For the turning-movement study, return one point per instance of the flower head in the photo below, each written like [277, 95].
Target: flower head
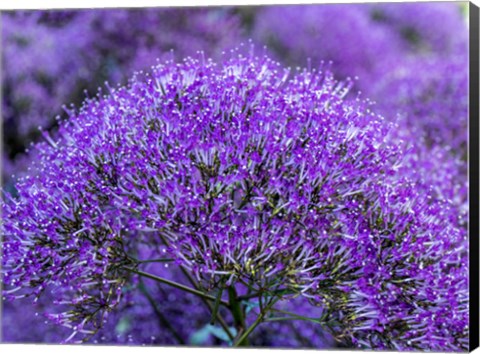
[247, 175]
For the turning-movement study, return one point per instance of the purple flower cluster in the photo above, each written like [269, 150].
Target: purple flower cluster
[52, 58]
[268, 184]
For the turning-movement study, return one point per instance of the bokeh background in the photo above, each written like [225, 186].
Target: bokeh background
[409, 59]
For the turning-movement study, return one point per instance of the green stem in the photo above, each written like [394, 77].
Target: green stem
[249, 296]
[254, 325]
[276, 319]
[210, 307]
[293, 316]
[216, 305]
[221, 321]
[259, 293]
[249, 330]
[176, 285]
[237, 313]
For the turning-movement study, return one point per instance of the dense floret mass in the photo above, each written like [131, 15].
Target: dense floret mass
[245, 175]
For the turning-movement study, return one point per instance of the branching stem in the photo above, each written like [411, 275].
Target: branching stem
[175, 285]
